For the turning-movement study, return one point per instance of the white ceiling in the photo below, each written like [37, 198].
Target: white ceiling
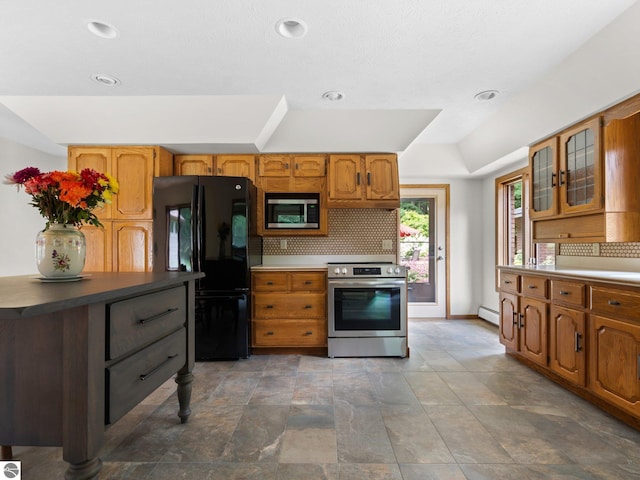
[210, 76]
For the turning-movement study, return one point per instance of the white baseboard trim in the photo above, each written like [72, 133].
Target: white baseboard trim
[489, 315]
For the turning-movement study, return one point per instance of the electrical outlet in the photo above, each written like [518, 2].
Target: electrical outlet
[387, 244]
[595, 249]
[283, 244]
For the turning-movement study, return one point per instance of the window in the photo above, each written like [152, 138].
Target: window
[514, 244]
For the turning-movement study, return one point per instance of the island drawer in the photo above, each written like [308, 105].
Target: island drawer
[137, 321]
[129, 381]
[568, 293]
[278, 305]
[615, 302]
[286, 333]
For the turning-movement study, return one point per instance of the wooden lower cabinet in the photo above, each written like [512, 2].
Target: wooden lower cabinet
[584, 336]
[533, 330]
[615, 362]
[289, 310]
[567, 344]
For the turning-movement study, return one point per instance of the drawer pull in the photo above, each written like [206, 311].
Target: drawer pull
[268, 306]
[532, 287]
[307, 307]
[308, 333]
[615, 303]
[564, 292]
[157, 316]
[169, 358]
[269, 283]
[507, 282]
[578, 347]
[308, 282]
[270, 333]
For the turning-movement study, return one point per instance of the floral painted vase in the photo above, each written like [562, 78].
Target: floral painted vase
[60, 251]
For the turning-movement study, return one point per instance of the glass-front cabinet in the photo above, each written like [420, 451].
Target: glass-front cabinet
[566, 175]
[580, 168]
[543, 161]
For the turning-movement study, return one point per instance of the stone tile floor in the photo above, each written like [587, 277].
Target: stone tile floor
[458, 408]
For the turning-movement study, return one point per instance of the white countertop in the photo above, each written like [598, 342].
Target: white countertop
[617, 276]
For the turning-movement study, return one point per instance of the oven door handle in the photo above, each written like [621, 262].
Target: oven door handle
[367, 283]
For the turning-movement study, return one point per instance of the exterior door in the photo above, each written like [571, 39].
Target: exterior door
[423, 248]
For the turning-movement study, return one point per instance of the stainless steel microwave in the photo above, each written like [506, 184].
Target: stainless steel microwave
[292, 210]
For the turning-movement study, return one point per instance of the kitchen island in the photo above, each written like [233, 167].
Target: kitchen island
[76, 356]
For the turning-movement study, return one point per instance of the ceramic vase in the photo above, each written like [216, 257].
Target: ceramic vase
[60, 251]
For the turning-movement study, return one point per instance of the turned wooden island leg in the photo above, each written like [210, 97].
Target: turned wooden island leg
[185, 382]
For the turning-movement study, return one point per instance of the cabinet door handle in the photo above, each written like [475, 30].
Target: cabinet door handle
[578, 347]
[507, 282]
[368, 178]
[563, 292]
[358, 178]
[157, 316]
[307, 307]
[308, 282]
[615, 303]
[145, 375]
[219, 170]
[270, 333]
[269, 283]
[286, 166]
[268, 306]
[561, 178]
[308, 333]
[531, 287]
[553, 180]
[521, 320]
[515, 318]
[638, 366]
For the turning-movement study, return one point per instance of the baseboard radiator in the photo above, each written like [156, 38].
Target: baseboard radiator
[489, 315]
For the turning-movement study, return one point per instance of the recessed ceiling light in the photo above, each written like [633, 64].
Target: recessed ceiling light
[291, 28]
[333, 96]
[486, 95]
[102, 30]
[106, 80]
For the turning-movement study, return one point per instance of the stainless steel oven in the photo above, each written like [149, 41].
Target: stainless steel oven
[367, 305]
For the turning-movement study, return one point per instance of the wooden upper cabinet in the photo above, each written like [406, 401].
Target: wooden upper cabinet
[274, 165]
[236, 166]
[134, 169]
[382, 177]
[363, 181]
[309, 165]
[543, 167]
[98, 159]
[193, 165]
[345, 177]
[132, 246]
[580, 175]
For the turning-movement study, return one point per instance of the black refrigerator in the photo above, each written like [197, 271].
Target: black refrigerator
[208, 224]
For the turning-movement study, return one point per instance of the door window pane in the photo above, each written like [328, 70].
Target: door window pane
[417, 247]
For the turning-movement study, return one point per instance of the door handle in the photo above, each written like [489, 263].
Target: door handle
[578, 347]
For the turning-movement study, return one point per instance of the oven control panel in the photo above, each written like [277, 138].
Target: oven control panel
[354, 270]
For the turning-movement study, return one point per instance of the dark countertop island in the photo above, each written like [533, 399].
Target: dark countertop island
[76, 356]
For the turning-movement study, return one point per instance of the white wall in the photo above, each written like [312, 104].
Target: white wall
[489, 295]
[21, 221]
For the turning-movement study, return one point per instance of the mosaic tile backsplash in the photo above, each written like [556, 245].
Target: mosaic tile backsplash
[621, 250]
[351, 232]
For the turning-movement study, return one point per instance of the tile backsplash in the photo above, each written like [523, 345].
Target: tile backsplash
[619, 250]
[351, 232]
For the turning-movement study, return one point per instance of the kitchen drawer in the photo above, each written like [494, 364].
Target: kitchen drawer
[288, 333]
[533, 286]
[510, 282]
[622, 303]
[568, 293]
[279, 305]
[308, 281]
[129, 381]
[270, 281]
[135, 322]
